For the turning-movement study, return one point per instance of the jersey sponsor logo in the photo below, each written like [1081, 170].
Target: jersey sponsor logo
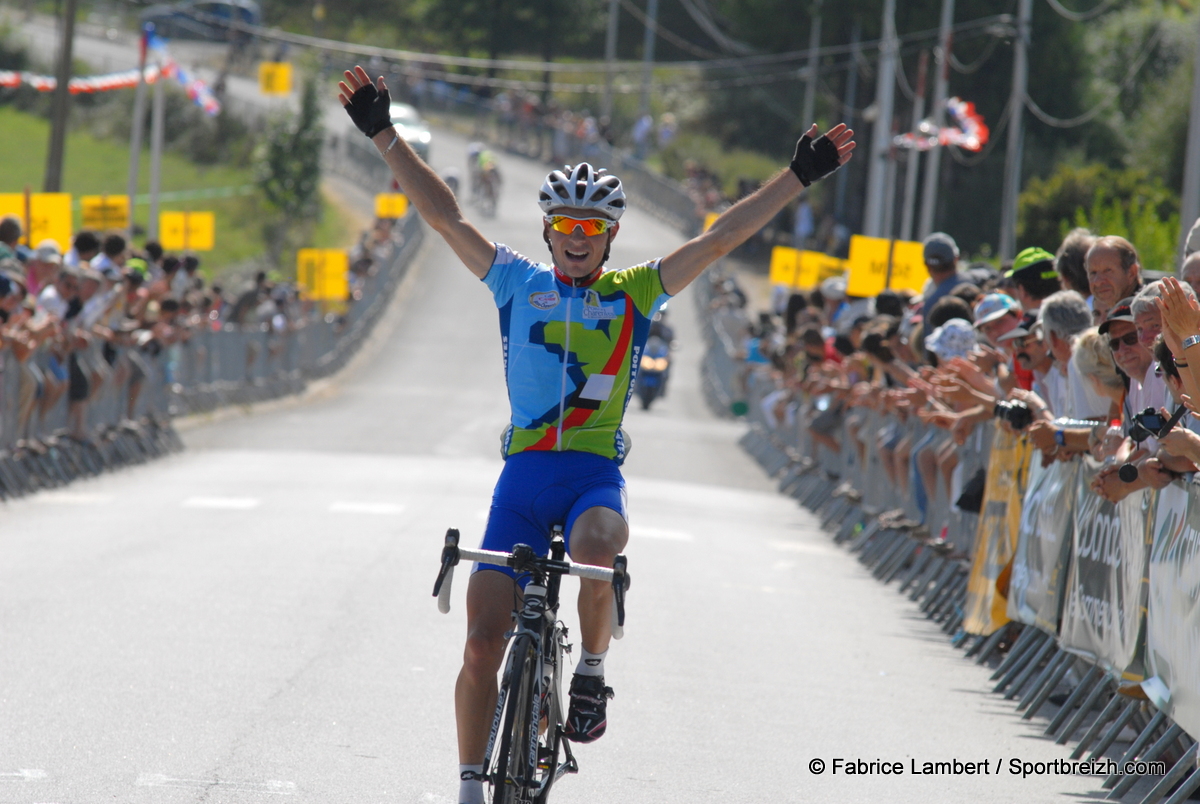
[593, 310]
[595, 391]
[547, 300]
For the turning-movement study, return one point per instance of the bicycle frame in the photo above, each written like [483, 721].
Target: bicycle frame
[536, 627]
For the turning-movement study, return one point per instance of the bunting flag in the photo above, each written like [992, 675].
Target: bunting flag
[970, 133]
[198, 91]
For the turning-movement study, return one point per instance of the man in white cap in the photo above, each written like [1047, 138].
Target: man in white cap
[43, 266]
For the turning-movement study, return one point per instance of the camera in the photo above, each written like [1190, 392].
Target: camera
[1016, 413]
[1150, 423]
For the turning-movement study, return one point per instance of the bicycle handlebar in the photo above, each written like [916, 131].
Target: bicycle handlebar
[519, 559]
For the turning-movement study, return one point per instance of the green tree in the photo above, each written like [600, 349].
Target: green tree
[288, 173]
[1109, 201]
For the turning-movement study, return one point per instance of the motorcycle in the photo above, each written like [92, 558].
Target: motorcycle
[654, 369]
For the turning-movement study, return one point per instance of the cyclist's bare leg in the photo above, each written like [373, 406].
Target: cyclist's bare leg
[596, 537]
[489, 617]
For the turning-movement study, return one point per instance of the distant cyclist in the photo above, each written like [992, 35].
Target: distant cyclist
[572, 335]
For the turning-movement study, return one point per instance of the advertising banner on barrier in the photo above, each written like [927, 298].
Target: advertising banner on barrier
[1008, 467]
[1173, 610]
[1043, 555]
[1104, 613]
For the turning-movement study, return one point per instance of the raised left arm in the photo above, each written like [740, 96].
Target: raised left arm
[815, 159]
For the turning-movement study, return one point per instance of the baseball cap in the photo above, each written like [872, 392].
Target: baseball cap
[1036, 260]
[834, 287]
[48, 251]
[994, 306]
[1121, 311]
[1028, 323]
[940, 250]
[955, 338]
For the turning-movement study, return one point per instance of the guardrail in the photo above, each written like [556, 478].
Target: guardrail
[1087, 596]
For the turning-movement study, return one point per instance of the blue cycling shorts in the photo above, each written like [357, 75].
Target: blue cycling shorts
[538, 490]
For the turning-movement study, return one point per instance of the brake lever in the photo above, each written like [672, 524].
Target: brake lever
[449, 559]
[620, 584]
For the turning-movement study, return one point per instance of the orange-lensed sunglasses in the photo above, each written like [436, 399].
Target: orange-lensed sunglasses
[565, 224]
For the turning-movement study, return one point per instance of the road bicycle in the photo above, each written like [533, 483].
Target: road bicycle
[522, 761]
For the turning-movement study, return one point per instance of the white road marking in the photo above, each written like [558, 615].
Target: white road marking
[349, 507]
[228, 503]
[71, 498]
[268, 786]
[22, 775]
[644, 532]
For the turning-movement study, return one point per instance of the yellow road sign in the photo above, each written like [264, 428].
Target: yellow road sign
[105, 211]
[908, 266]
[391, 205]
[187, 231]
[868, 265]
[323, 273]
[275, 77]
[49, 216]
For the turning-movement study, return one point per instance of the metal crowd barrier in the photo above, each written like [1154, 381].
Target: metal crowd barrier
[127, 418]
[851, 495]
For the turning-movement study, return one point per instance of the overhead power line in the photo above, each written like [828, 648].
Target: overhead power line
[703, 18]
[1090, 114]
[1081, 16]
[668, 36]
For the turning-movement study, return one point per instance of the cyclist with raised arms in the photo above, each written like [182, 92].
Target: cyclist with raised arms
[573, 335]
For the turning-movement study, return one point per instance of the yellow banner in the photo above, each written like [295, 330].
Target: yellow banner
[391, 205]
[709, 220]
[802, 270]
[275, 77]
[908, 266]
[986, 606]
[102, 212]
[49, 216]
[869, 258]
[868, 265]
[187, 231]
[322, 272]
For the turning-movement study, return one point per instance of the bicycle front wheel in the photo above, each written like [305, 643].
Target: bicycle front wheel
[514, 773]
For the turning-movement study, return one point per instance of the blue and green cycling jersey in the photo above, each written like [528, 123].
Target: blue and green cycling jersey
[571, 354]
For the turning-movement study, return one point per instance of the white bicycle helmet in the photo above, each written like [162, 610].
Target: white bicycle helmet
[583, 187]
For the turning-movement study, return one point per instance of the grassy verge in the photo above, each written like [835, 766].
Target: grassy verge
[95, 166]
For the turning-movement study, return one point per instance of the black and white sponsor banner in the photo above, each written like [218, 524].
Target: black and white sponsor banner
[1104, 613]
[1044, 545]
[1173, 617]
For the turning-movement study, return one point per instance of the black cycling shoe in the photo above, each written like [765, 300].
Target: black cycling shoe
[587, 718]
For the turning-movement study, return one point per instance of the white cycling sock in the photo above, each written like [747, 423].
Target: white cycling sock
[470, 791]
[590, 664]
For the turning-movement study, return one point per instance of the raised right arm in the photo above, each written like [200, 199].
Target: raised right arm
[368, 106]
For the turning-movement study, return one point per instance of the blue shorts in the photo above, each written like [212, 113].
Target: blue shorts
[538, 490]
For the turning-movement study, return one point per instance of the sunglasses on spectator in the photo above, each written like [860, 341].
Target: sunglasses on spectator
[1129, 339]
[565, 224]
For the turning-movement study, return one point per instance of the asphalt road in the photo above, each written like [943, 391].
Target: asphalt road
[250, 621]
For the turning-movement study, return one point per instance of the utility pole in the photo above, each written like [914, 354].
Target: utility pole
[135, 134]
[610, 58]
[933, 164]
[1016, 134]
[648, 56]
[851, 98]
[881, 133]
[1190, 202]
[810, 89]
[61, 103]
[157, 121]
[914, 154]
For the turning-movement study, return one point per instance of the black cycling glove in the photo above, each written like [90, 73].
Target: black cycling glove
[370, 109]
[814, 159]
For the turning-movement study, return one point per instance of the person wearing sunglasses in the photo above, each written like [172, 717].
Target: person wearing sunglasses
[573, 333]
